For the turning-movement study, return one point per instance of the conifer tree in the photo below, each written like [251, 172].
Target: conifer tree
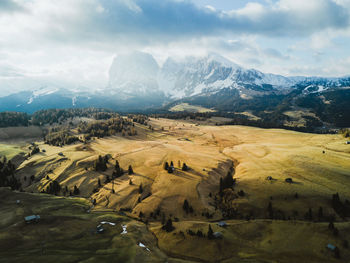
[168, 227]
[184, 167]
[320, 213]
[221, 186]
[76, 190]
[166, 166]
[130, 170]
[117, 166]
[270, 210]
[170, 169]
[140, 189]
[186, 206]
[210, 233]
[331, 225]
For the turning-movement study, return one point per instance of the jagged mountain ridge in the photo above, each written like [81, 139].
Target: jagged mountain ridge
[138, 73]
[138, 83]
[212, 73]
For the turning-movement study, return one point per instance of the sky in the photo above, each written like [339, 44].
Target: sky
[73, 42]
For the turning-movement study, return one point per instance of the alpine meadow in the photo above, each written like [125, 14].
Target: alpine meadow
[176, 131]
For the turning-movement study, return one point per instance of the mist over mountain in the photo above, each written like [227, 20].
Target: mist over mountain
[137, 83]
[134, 74]
[138, 74]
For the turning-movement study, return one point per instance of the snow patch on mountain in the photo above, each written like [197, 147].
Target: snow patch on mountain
[42, 92]
[275, 80]
[137, 74]
[192, 76]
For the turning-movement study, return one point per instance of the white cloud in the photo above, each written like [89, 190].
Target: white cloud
[252, 10]
[321, 41]
[10, 6]
[76, 39]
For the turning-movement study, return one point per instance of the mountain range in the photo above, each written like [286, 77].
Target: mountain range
[138, 83]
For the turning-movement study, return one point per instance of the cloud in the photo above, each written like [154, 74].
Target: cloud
[7, 71]
[182, 18]
[151, 21]
[273, 53]
[77, 39]
[135, 23]
[292, 17]
[9, 6]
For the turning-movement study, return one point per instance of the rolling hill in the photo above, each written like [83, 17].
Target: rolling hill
[266, 215]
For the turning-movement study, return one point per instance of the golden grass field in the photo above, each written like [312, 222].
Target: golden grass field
[10, 150]
[189, 108]
[318, 164]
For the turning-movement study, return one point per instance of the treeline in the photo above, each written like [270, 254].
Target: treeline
[345, 132]
[336, 109]
[109, 127]
[52, 116]
[60, 137]
[55, 188]
[7, 174]
[227, 181]
[11, 119]
[185, 115]
[277, 121]
[139, 118]
[274, 119]
[271, 115]
[341, 208]
[271, 108]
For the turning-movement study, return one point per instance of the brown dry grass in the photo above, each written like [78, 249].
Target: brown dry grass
[210, 151]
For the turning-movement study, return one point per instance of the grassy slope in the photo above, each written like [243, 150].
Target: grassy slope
[209, 151]
[66, 232]
[10, 150]
[258, 240]
[189, 108]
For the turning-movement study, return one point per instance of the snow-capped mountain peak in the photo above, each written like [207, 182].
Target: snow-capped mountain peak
[137, 74]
